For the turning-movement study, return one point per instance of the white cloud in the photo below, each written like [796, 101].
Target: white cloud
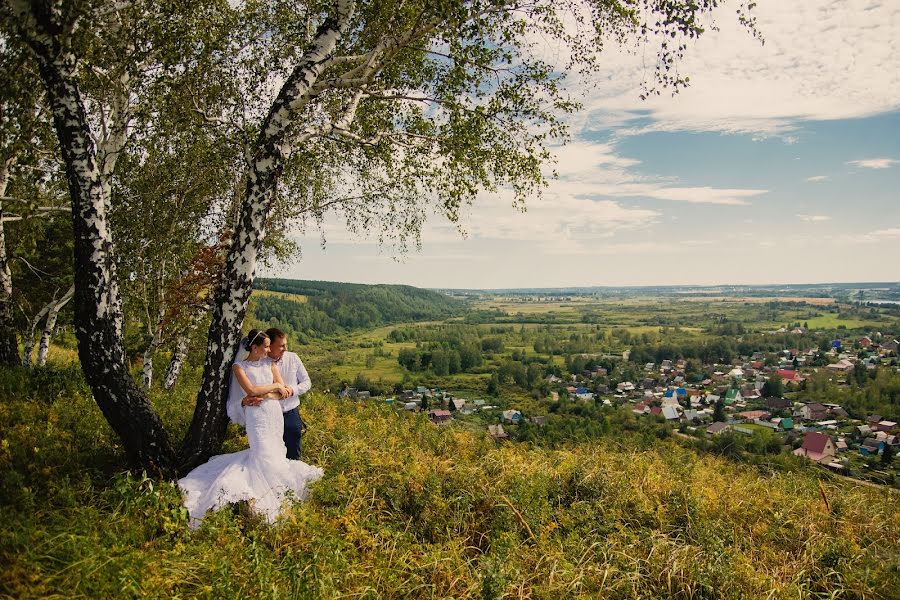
[814, 218]
[817, 178]
[704, 195]
[881, 235]
[821, 61]
[875, 163]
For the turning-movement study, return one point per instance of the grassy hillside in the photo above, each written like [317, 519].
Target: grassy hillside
[407, 509]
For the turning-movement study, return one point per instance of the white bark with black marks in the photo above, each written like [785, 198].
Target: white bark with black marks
[149, 353]
[97, 304]
[208, 426]
[9, 349]
[179, 354]
[28, 342]
[50, 324]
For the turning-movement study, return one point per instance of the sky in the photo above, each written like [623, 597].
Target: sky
[779, 164]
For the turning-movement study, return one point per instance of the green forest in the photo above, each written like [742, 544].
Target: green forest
[329, 308]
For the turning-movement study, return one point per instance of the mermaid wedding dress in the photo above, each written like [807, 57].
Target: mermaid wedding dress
[260, 475]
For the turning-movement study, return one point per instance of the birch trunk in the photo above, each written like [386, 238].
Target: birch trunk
[179, 354]
[9, 348]
[28, 342]
[149, 353]
[50, 324]
[207, 429]
[97, 305]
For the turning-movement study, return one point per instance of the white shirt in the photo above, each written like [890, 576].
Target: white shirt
[294, 375]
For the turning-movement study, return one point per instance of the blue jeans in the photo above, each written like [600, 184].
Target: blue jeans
[293, 431]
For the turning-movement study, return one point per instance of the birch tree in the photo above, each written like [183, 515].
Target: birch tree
[383, 111]
[91, 133]
[25, 142]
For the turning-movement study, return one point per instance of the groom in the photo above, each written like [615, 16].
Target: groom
[297, 380]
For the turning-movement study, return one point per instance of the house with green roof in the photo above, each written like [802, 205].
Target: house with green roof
[732, 396]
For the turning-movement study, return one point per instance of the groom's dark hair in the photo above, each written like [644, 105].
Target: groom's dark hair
[273, 333]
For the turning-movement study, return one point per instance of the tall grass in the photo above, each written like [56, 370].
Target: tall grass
[407, 509]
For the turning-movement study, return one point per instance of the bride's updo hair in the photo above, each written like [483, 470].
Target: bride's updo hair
[255, 337]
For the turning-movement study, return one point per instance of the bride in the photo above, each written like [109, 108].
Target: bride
[261, 475]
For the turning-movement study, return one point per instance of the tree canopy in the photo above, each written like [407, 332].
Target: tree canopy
[266, 116]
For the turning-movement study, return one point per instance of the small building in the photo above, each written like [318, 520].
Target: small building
[817, 447]
[691, 414]
[887, 426]
[670, 401]
[512, 416]
[871, 447]
[439, 416]
[625, 386]
[736, 372]
[732, 396]
[718, 428]
[539, 421]
[497, 432]
[751, 415]
[813, 412]
[789, 375]
[776, 403]
[842, 365]
[670, 413]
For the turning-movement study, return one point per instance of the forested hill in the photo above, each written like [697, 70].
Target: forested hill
[329, 307]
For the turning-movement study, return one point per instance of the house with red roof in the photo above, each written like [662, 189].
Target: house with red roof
[789, 375]
[817, 447]
[641, 408]
[751, 415]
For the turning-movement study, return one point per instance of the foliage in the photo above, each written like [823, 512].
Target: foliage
[878, 393]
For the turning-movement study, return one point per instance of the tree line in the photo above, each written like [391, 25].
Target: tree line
[333, 308]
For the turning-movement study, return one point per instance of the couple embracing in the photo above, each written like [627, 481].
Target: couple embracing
[264, 396]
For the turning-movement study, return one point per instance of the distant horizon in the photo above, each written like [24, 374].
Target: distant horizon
[860, 284]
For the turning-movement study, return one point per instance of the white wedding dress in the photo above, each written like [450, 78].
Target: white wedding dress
[261, 475]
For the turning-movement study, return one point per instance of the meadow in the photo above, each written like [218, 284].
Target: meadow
[408, 509]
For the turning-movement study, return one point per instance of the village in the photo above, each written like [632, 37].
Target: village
[752, 396]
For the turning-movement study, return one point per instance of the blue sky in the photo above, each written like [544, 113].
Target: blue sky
[780, 164]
